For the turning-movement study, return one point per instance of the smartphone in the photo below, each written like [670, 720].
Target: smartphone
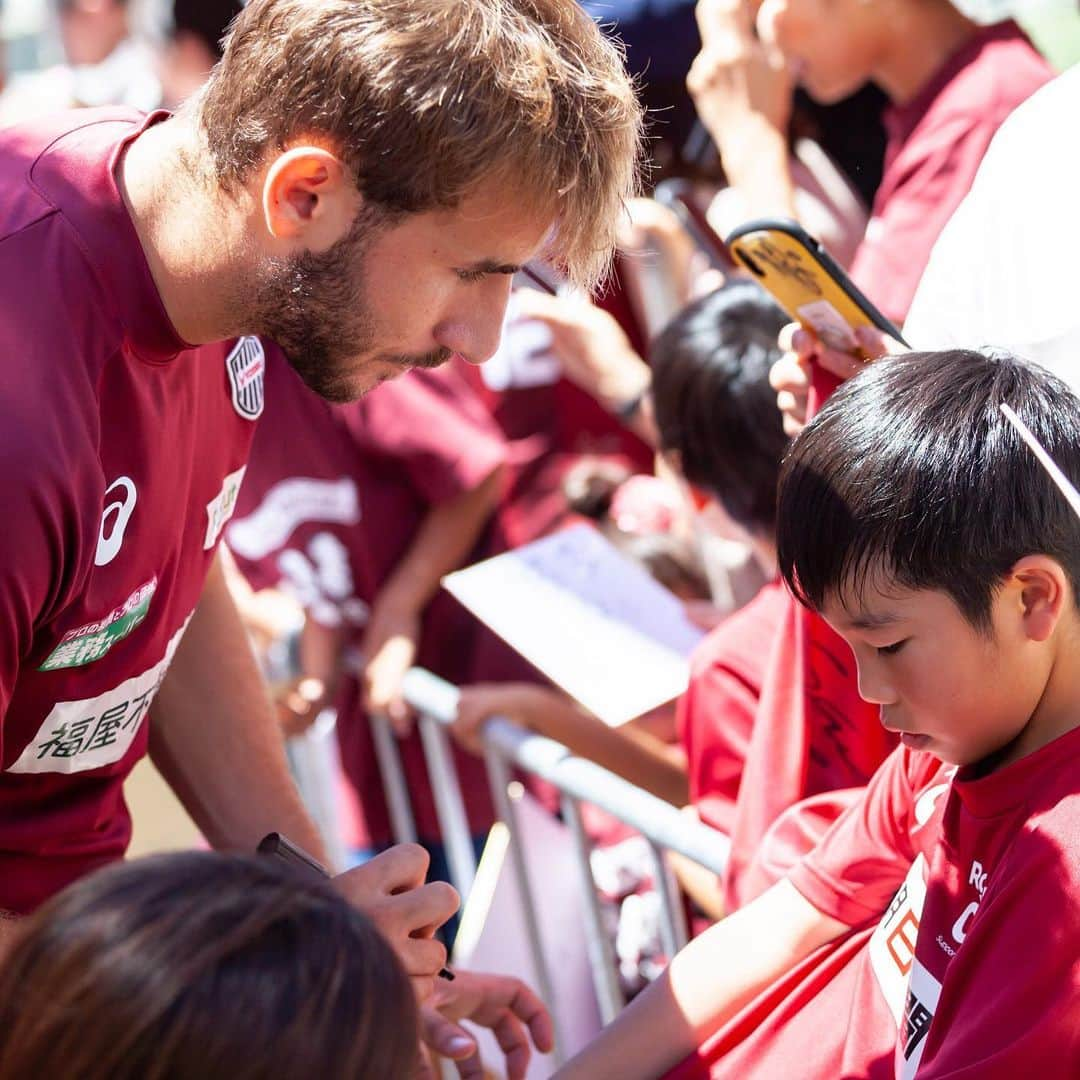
[806, 282]
[680, 197]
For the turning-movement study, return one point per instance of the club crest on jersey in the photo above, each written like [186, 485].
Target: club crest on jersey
[246, 365]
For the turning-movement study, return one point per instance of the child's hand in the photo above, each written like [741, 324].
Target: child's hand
[503, 1004]
[390, 890]
[791, 375]
[521, 703]
[389, 650]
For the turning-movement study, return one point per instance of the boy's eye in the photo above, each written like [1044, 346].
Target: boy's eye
[890, 650]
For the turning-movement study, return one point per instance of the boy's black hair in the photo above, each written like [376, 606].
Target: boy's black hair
[912, 468]
[206, 19]
[713, 403]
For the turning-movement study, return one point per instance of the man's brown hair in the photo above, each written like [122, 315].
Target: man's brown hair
[423, 100]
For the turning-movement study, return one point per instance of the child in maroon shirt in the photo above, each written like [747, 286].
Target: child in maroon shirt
[935, 930]
[357, 510]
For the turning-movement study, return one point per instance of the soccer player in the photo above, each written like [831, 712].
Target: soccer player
[934, 931]
[357, 182]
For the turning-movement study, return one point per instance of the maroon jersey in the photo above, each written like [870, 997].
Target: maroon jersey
[333, 498]
[121, 452]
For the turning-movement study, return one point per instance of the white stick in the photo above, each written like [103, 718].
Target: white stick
[1048, 463]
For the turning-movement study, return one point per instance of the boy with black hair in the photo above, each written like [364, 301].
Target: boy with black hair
[935, 929]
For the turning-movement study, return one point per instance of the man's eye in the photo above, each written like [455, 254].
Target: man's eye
[889, 650]
[471, 275]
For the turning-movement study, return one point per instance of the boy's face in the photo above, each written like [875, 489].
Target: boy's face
[945, 686]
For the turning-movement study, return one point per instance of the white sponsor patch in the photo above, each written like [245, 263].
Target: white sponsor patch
[220, 508]
[81, 735]
[246, 366]
[892, 946]
[289, 504]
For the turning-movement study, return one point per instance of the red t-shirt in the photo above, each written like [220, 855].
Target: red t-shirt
[812, 734]
[716, 714]
[333, 497]
[964, 961]
[935, 144]
[121, 449]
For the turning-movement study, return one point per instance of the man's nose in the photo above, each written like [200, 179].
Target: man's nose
[475, 328]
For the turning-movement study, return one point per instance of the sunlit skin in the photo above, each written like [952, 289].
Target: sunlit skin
[353, 297]
[833, 47]
[963, 694]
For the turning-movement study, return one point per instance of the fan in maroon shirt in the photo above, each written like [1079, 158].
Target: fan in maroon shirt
[333, 498]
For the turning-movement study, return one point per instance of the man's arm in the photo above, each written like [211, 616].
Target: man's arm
[215, 738]
[706, 985]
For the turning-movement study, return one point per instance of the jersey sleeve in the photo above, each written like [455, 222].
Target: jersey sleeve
[861, 860]
[432, 425]
[1009, 1000]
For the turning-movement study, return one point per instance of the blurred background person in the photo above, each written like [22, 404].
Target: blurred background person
[192, 46]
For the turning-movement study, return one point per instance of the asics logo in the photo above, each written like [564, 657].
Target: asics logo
[108, 547]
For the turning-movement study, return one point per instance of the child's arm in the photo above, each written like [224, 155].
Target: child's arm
[632, 753]
[707, 984]
[445, 538]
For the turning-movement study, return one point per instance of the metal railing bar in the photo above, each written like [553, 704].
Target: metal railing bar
[449, 805]
[396, 789]
[499, 776]
[601, 955]
[658, 821]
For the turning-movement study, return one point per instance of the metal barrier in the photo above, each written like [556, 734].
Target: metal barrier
[578, 781]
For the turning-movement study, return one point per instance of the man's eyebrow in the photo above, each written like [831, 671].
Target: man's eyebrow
[490, 266]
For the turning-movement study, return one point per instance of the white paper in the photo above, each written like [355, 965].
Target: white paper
[493, 935]
[591, 619]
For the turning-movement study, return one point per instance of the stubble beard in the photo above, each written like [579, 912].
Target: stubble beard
[315, 307]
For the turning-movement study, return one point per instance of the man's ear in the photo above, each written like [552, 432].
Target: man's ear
[1043, 590]
[308, 199]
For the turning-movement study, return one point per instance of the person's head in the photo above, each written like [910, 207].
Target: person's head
[836, 46]
[193, 45]
[208, 966]
[916, 521]
[715, 411]
[91, 29]
[399, 159]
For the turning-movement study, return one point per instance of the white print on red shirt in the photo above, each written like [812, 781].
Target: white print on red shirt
[108, 547]
[220, 508]
[91, 642]
[289, 504]
[81, 735]
[321, 581]
[246, 365]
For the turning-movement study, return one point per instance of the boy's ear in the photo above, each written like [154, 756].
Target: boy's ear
[1044, 591]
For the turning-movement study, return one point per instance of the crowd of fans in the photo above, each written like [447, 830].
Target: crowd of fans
[884, 714]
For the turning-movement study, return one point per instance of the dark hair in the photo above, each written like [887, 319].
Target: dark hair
[911, 467]
[713, 403]
[203, 966]
[205, 19]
